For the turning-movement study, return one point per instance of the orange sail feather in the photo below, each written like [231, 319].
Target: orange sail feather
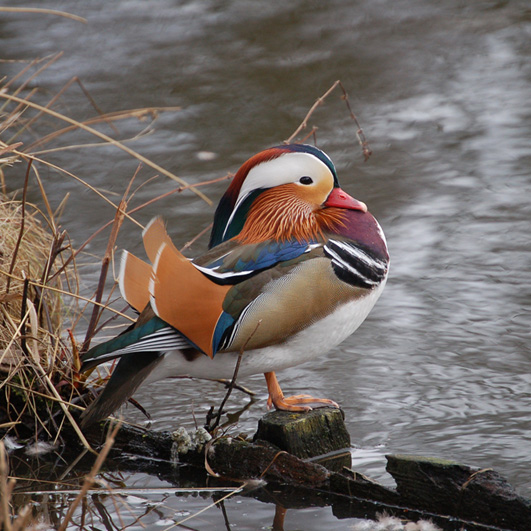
[135, 275]
[184, 298]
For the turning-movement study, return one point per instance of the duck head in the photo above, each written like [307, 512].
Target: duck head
[288, 191]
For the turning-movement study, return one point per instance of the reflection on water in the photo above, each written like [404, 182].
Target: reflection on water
[441, 367]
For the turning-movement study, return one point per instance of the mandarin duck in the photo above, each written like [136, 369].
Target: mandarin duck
[294, 266]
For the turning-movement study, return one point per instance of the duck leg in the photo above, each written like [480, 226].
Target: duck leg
[290, 403]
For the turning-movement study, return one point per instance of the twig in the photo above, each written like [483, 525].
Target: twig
[319, 101]
[109, 139]
[278, 454]
[21, 232]
[195, 238]
[23, 85]
[56, 249]
[359, 133]
[74, 295]
[179, 190]
[8, 346]
[66, 172]
[177, 524]
[107, 117]
[118, 220]
[47, 397]
[43, 12]
[28, 67]
[217, 417]
[227, 383]
[65, 87]
[90, 478]
[64, 407]
[23, 316]
[11, 147]
[6, 488]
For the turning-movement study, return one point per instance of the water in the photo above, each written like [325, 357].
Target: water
[442, 365]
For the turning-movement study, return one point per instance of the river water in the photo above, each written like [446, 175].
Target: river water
[442, 365]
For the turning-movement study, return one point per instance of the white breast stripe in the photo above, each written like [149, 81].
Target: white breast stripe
[358, 256]
[340, 263]
[357, 253]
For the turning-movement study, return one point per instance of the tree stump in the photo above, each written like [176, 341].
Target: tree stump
[320, 432]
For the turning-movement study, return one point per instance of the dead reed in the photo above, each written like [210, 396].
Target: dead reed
[41, 308]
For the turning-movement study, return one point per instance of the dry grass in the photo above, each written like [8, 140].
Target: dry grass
[35, 283]
[41, 309]
[39, 289]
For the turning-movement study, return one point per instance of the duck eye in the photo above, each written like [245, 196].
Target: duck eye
[306, 180]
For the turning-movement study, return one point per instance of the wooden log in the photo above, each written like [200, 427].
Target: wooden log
[243, 460]
[478, 499]
[305, 435]
[133, 441]
[354, 484]
[473, 494]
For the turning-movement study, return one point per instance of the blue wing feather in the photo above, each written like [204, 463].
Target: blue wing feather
[223, 327]
[242, 263]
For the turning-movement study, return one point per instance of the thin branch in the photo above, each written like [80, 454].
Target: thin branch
[107, 138]
[65, 87]
[90, 478]
[319, 101]
[43, 12]
[181, 189]
[66, 172]
[22, 86]
[21, 232]
[196, 237]
[70, 294]
[217, 417]
[108, 117]
[179, 524]
[23, 317]
[6, 488]
[118, 220]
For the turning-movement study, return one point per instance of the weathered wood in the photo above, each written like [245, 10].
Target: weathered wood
[133, 441]
[243, 460]
[354, 484]
[479, 495]
[453, 495]
[317, 432]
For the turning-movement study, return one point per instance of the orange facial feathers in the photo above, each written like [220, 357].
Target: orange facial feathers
[184, 298]
[285, 212]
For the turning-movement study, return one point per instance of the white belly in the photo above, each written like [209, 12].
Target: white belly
[312, 342]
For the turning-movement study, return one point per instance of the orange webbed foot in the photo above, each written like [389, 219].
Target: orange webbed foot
[291, 403]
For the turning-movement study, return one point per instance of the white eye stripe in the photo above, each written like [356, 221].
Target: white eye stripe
[283, 170]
